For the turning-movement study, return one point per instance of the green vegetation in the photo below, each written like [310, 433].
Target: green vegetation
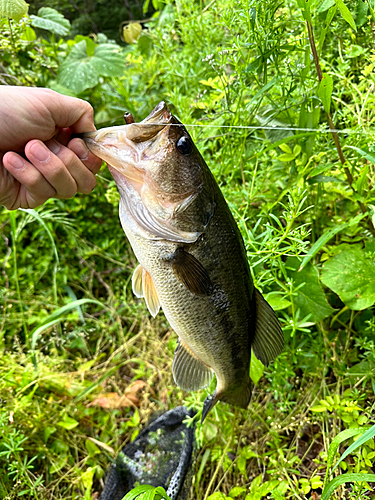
[83, 364]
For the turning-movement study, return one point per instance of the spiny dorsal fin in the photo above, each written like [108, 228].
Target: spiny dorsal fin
[143, 286]
[268, 341]
[191, 272]
[137, 281]
[189, 372]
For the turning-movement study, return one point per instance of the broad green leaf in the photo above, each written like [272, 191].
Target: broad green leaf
[361, 17]
[237, 491]
[139, 490]
[351, 274]
[345, 478]
[345, 12]
[369, 434]
[13, 9]
[109, 60]
[80, 71]
[256, 369]
[58, 464]
[131, 32]
[68, 423]
[310, 297]
[76, 72]
[327, 235]
[51, 20]
[286, 157]
[28, 34]
[325, 91]
[218, 496]
[277, 301]
[325, 5]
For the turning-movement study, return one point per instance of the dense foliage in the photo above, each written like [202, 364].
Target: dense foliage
[74, 340]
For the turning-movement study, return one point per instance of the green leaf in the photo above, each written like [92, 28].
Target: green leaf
[351, 274]
[325, 91]
[325, 5]
[51, 20]
[334, 446]
[256, 369]
[68, 423]
[139, 490]
[327, 235]
[345, 12]
[365, 154]
[28, 34]
[286, 157]
[345, 478]
[13, 9]
[236, 491]
[355, 51]
[277, 301]
[80, 71]
[109, 60]
[369, 434]
[38, 217]
[310, 297]
[76, 72]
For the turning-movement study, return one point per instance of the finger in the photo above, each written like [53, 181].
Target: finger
[91, 161]
[71, 112]
[83, 177]
[51, 167]
[33, 189]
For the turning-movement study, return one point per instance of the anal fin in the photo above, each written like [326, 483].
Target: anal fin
[143, 286]
[189, 372]
[268, 341]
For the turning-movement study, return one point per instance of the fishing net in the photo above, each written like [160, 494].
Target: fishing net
[161, 455]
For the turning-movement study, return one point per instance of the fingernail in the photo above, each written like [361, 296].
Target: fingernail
[81, 150]
[16, 161]
[54, 146]
[40, 152]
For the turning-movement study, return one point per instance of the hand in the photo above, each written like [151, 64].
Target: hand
[38, 158]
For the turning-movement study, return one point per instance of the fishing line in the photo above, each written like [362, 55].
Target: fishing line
[268, 127]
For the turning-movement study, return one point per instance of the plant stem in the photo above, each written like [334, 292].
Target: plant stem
[332, 125]
[15, 271]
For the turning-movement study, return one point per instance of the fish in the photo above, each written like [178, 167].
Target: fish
[192, 258]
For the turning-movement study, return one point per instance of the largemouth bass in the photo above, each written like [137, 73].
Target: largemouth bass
[192, 259]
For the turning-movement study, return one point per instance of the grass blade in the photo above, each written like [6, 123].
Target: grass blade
[369, 434]
[334, 446]
[37, 217]
[345, 478]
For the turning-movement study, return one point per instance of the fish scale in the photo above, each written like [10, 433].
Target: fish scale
[192, 258]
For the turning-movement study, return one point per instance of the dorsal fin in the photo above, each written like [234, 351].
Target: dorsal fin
[189, 372]
[268, 340]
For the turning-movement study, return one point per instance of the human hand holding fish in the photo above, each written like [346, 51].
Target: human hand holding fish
[38, 157]
[192, 259]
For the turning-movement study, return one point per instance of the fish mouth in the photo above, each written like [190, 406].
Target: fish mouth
[122, 146]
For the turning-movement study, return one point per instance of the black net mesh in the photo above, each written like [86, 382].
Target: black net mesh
[162, 455]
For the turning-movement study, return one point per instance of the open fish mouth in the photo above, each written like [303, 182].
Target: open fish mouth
[122, 146]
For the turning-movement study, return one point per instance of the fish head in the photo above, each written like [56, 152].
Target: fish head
[155, 157]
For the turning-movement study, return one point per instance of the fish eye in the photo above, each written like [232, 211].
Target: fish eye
[184, 146]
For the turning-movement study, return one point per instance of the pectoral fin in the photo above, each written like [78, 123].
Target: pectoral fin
[268, 341]
[143, 286]
[137, 282]
[190, 272]
[189, 372]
